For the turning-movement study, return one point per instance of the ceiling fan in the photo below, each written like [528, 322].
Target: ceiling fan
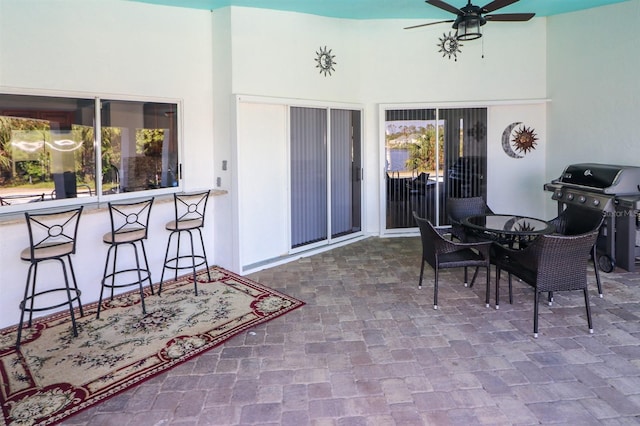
[470, 17]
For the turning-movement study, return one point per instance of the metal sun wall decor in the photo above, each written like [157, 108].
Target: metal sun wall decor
[325, 61]
[477, 132]
[450, 46]
[524, 140]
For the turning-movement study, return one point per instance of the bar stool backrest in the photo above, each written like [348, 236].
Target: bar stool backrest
[130, 218]
[190, 208]
[53, 234]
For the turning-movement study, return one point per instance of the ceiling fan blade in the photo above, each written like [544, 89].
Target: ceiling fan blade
[430, 23]
[497, 4]
[507, 17]
[444, 6]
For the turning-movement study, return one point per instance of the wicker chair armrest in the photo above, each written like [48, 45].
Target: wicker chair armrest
[560, 224]
[448, 246]
[483, 247]
[443, 231]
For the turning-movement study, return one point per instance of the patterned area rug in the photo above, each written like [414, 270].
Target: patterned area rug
[54, 374]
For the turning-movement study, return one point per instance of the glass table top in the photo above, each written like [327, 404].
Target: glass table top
[509, 224]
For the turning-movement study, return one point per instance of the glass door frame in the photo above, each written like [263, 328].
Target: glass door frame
[330, 238]
[382, 190]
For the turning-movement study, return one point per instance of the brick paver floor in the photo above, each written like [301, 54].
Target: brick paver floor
[369, 349]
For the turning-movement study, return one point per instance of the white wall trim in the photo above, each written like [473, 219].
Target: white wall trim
[297, 102]
[458, 104]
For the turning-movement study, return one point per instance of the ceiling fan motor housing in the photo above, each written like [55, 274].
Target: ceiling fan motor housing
[468, 23]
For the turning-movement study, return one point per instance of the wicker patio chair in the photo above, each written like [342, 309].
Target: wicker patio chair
[441, 253]
[458, 209]
[574, 221]
[550, 263]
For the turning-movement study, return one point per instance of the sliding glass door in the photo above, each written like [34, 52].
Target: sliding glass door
[432, 155]
[346, 172]
[325, 154]
[308, 176]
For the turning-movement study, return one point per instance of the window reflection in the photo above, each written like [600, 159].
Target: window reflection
[139, 146]
[47, 148]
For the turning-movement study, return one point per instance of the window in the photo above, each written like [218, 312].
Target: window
[139, 146]
[49, 149]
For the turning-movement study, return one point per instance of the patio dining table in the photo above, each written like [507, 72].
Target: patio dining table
[507, 229]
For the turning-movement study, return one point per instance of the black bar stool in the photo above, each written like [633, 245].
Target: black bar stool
[52, 236]
[129, 225]
[190, 212]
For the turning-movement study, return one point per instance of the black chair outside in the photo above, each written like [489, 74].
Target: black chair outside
[550, 263]
[8, 200]
[458, 209]
[441, 253]
[189, 217]
[52, 236]
[575, 221]
[129, 226]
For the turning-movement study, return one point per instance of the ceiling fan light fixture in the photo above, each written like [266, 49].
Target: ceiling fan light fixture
[468, 28]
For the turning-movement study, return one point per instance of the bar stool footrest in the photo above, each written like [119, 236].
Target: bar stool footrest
[146, 276]
[76, 298]
[174, 263]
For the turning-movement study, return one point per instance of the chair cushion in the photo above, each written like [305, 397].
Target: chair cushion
[128, 236]
[48, 251]
[457, 259]
[184, 225]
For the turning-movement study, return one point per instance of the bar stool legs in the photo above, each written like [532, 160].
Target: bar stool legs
[189, 217]
[142, 273]
[129, 225]
[194, 260]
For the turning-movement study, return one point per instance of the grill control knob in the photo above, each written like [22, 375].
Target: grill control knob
[569, 197]
[582, 199]
[559, 194]
[596, 202]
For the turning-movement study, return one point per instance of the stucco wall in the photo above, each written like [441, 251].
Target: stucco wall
[592, 73]
[108, 48]
[380, 63]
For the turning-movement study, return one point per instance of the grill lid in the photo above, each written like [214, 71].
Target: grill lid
[610, 179]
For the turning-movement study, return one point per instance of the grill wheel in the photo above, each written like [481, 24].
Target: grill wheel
[605, 263]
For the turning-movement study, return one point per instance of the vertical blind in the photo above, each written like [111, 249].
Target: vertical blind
[432, 155]
[308, 175]
[341, 159]
[325, 169]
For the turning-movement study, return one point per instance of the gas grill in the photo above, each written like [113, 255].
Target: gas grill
[615, 191]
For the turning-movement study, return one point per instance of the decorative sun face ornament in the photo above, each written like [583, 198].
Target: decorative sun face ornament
[524, 139]
[449, 46]
[325, 61]
[477, 132]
